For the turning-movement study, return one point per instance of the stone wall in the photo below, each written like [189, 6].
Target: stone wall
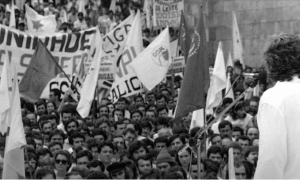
[257, 21]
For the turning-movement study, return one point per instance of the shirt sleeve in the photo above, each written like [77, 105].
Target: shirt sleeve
[272, 156]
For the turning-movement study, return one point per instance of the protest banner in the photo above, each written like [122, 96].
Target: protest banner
[167, 12]
[177, 66]
[67, 50]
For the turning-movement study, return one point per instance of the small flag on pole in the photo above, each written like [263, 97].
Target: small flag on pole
[237, 41]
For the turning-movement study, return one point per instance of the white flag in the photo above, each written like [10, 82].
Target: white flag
[237, 41]
[229, 92]
[153, 63]
[12, 18]
[5, 95]
[90, 82]
[126, 82]
[256, 90]
[148, 10]
[113, 6]
[13, 167]
[229, 61]
[217, 81]
[39, 23]
[197, 119]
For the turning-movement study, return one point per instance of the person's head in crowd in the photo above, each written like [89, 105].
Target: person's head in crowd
[57, 136]
[41, 107]
[54, 120]
[136, 115]
[118, 113]
[153, 174]
[142, 108]
[161, 122]
[184, 156]
[26, 125]
[149, 144]
[165, 132]
[104, 126]
[39, 141]
[129, 136]
[66, 114]
[147, 32]
[73, 175]
[21, 26]
[216, 139]
[62, 161]
[151, 114]
[97, 175]
[162, 111]
[93, 146]
[161, 143]
[146, 128]
[151, 98]
[226, 140]
[71, 126]
[83, 158]
[82, 170]
[43, 153]
[240, 170]
[237, 150]
[138, 100]
[32, 117]
[119, 142]
[161, 100]
[103, 109]
[144, 164]
[177, 141]
[244, 141]
[255, 142]
[30, 143]
[238, 111]
[225, 127]
[91, 127]
[54, 147]
[237, 132]
[194, 169]
[111, 107]
[50, 106]
[252, 132]
[164, 162]
[44, 173]
[254, 102]
[30, 163]
[251, 154]
[46, 127]
[99, 135]
[106, 152]
[95, 165]
[127, 121]
[122, 103]
[137, 149]
[76, 139]
[215, 153]
[54, 95]
[80, 16]
[47, 163]
[117, 170]
[119, 127]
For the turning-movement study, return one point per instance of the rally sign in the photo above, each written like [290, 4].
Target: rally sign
[167, 12]
[177, 66]
[67, 49]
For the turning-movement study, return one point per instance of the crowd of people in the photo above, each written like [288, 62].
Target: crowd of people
[135, 138]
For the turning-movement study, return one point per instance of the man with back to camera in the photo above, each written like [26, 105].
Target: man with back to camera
[278, 113]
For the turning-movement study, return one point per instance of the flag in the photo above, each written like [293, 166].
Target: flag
[237, 41]
[13, 167]
[5, 94]
[77, 79]
[256, 90]
[42, 68]
[81, 6]
[90, 82]
[113, 6]
[184, 37]
[12, 19]
[152, 64]
[229, 91]
[39, 23]
[126, 82]
[229, 61]
[217, 81]
[197, 119]
[231, 171]
[196, 77]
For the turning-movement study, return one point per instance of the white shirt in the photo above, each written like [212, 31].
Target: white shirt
[243, 123]
[279, 126]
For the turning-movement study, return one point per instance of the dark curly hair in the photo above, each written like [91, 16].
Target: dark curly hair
[283, 57]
